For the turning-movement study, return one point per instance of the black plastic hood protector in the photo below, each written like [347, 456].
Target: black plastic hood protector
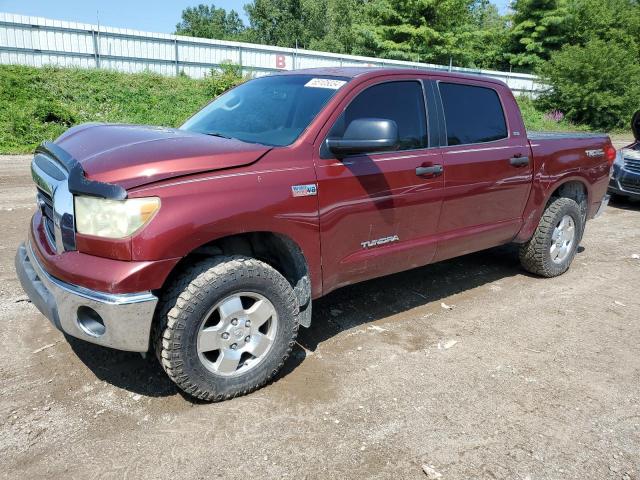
[78, 183]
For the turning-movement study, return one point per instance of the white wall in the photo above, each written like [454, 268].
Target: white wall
[37, 41]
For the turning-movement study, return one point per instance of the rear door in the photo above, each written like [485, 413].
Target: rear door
[487, 167]
[378, 214]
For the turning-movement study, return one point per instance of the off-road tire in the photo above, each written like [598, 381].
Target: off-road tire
[535, 255]
[185, 303]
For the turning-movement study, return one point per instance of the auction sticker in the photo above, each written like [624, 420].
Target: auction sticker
[325, 83]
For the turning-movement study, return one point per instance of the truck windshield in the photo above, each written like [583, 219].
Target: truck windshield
[269, 110]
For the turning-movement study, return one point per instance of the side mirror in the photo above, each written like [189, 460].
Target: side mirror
[635, 125]
[365, 135]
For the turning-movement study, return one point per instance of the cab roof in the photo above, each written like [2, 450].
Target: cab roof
[370, 72]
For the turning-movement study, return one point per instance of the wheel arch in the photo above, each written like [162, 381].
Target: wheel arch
[276, 249]
[574, 187]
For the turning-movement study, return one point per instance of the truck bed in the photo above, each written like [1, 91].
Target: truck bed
[561, 156]
[563, 135]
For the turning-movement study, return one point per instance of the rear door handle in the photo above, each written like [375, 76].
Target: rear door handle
[434, 170]
[519, 161]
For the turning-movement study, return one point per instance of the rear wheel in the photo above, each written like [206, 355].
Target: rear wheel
[551, 249]
[226, 327]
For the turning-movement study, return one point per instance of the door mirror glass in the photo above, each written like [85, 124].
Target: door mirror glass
[365, 135]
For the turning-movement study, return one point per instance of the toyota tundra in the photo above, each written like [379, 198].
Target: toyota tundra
[208, 243]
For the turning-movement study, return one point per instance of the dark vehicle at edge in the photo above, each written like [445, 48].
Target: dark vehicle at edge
[625, 177]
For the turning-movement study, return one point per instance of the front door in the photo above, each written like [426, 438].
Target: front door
[379, 212]
[487, 168]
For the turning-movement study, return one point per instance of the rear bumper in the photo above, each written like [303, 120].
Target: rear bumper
[121, 321]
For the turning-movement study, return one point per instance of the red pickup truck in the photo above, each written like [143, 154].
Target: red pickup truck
[209, 242]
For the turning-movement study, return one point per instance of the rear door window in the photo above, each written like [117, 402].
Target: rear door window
[472, 114]
[402, 102]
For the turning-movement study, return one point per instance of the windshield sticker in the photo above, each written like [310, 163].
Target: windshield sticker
[325, 83]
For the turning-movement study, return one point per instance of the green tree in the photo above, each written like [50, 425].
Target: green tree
[417, 30]
[489, 37]
[615, 21]
[539, 27]
[593, 84]
[334, 24]
[592, 78]
[279, 22]
[210, 22]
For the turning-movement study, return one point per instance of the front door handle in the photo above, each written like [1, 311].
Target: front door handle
[433, 170]
[519, 161]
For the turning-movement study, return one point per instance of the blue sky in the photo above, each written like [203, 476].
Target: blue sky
[149, 15]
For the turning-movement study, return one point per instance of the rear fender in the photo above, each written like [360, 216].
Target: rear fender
[541, 192]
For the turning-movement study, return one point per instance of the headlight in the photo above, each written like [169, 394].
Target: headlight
[113, 218]
[619, 159]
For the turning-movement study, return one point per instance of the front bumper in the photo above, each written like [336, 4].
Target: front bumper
[120, 321]
[623, 191]
[624, 182]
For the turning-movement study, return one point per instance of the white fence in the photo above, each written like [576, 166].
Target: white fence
[37, 41]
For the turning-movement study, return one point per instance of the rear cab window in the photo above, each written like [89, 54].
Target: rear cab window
[473, 114]
[401, 101]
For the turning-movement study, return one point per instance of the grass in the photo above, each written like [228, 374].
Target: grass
[39, 104]
[536, 120]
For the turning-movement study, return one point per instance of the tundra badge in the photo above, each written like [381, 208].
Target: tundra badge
[380, 241]
[595, 153]
[304, 190]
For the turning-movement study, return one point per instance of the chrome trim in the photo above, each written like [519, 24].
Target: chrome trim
[127, 317]
[61, 198]
[630, 153]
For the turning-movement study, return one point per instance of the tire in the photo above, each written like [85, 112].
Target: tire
[199, 309]
[538, 255]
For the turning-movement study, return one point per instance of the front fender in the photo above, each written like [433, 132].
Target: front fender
[200, 209]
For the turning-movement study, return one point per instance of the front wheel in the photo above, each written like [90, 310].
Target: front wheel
[550, 251]
[225, 327]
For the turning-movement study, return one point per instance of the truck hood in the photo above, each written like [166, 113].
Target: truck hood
[135, 155]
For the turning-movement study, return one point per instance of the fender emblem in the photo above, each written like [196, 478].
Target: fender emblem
[304, 190]
[595, 153]
[380, 241]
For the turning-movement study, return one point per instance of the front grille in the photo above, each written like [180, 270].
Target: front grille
[54, 201]
[630, 186]
[632, 164]
[46, 206]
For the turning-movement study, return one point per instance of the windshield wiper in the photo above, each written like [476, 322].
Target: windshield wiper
[219, 135]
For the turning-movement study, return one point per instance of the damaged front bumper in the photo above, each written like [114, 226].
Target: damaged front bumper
[120, 321]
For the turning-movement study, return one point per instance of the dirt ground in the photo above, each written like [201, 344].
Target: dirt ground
[523, 378]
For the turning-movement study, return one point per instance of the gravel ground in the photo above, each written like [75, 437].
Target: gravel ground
[522, 378]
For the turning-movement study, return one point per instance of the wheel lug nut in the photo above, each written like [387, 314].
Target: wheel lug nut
[247, 323]
[234, 321]
[234, 346]
[247, 338]
[225, 335]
